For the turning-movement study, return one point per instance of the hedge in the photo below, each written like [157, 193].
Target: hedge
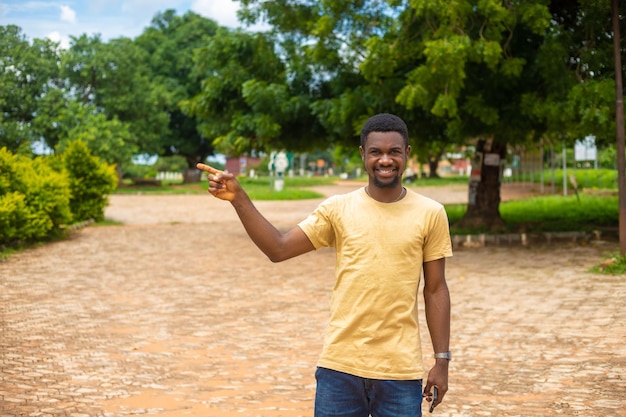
[41, 195]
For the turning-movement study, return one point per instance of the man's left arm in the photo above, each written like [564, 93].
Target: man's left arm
[437, 308]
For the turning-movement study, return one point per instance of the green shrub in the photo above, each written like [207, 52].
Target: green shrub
[38, 196]
[49, 193]
[10, 177]
[91, 181]
[34, 199]
[14, 217]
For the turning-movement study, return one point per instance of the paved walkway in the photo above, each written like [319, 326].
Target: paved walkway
[182, 316]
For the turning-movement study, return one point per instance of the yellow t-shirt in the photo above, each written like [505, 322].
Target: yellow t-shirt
[374, 329]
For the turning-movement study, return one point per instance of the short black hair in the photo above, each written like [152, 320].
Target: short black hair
[384, 122]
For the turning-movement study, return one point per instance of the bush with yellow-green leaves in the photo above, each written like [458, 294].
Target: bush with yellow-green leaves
[42, 195]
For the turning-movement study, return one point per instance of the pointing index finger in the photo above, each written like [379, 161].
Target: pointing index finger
[208, 168]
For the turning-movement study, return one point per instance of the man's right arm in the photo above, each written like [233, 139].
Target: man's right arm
[276, 245]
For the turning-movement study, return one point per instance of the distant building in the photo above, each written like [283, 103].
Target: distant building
[241, 165]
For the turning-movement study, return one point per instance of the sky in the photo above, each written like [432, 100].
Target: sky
[58, 20]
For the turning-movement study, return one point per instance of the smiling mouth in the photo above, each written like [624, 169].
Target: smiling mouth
[387, 171]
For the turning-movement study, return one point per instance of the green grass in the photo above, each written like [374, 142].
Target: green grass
[601, 178]
[552, 214]
[439, 182]
[165, 188]
[261, 188]
[294, 188]
[613, 264]
[5, 253]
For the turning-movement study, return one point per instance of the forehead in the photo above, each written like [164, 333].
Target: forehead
[382, 140]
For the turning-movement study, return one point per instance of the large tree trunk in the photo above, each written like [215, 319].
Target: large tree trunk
[483, 207]
[192, 174]
[433, 165]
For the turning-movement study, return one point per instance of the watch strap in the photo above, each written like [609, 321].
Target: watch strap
[444, 355]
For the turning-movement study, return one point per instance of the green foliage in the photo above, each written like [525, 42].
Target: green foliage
[90, 181]
[108, 139]
[244, 96]
[174, 163]
[27, 71]
[115, 79]
[34, 199]
[39, 196]
[48, 193]
[591, 106]
[132, 170]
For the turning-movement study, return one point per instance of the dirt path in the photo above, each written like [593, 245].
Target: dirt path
[176, 313]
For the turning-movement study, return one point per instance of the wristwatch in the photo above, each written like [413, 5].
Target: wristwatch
[445, 355]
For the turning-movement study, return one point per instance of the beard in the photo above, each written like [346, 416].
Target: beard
[391, 184]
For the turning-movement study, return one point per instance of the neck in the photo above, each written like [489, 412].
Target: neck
[386, 196]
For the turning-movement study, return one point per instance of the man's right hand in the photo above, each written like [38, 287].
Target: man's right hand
[222, 185]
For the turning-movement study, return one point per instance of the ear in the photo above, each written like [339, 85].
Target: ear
[362, 153]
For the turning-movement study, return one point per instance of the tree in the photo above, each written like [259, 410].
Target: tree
[28, 71]
[170, 42]
[247, 102]
[323, 44]
[61, 120]
[114, 78]
[108, 139]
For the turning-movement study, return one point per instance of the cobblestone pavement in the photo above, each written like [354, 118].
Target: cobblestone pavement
[183, 316]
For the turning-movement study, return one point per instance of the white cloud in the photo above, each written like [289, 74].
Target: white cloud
[68, 14]
[60, 19]
[224, 12]
[63, 40]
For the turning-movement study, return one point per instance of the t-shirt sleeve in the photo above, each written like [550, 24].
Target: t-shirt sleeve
[437, 243]
[318, 226]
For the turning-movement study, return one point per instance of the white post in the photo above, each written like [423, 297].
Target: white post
[281, 163]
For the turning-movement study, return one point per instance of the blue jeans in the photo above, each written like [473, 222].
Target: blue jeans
[343, 395]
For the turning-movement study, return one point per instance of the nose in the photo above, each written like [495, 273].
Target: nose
[385, 159]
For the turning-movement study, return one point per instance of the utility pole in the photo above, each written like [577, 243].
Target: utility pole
[619, 119]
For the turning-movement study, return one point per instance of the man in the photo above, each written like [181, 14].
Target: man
[385, 236]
